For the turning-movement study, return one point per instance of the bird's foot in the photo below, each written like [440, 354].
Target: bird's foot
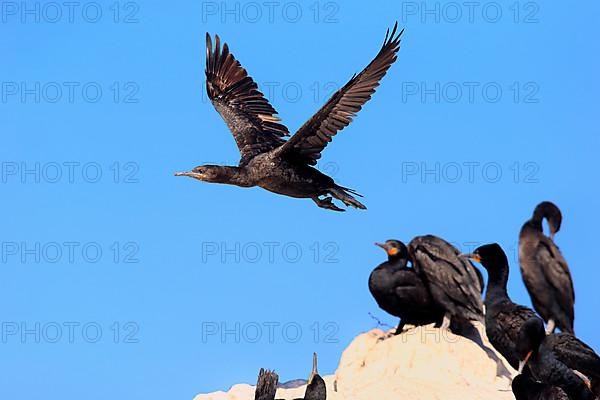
[327, 203]
[400, 328]
[584, 378]
[345, 198]
[550, 327]
[446, 322]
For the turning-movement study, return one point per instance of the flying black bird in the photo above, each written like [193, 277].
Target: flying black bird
[545, 271]
[399, 291]
[558, 359]
[454, 283]
[524, 387]
[503, 318]
[316, 389]
[266, 386]
[269, 161]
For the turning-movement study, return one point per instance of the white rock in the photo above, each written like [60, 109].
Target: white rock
[423, 363]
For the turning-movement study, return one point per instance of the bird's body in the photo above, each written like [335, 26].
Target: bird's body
[545, 271]
[454, 283]
[553, 359]
[503, 318]
[267, 160]
[576, 355]
[399, 291]
[281, 176]
[524, 387]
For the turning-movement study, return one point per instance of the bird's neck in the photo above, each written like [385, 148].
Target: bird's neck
[397, 262]
[497, 281]
[232, 176]
[535, 223]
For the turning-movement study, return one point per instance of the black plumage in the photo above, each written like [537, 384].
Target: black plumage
[545, 271]
[266, 386]
[524, 387]
[399, 291]
[267, 160]
[553, 359]
[316, 388]
[503, 318]
[576, 355]
[454, 283]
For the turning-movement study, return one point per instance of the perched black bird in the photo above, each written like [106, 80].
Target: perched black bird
[545, 271]
[267, 160]
[266, 386]
[398, 289]
[524, 387]
[503, 318]
[554, 359]
[454, 283]
[316, 389]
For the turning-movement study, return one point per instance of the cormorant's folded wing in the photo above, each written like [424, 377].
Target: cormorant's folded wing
[556, 272]
[306, 144]
[575, 354]
[244, 108]
[451, 279]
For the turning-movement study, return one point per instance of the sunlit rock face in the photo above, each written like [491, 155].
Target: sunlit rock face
[423, 363]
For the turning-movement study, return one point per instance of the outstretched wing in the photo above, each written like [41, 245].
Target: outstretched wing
[244, 108]
[306, 144]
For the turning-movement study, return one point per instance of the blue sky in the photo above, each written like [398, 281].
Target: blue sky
[118, 279]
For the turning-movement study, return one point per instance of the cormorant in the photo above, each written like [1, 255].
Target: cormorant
[454, 283]
[553, 359]
[399, 291]
[269, 161]
[524, 387]
[266, 386]
[503, 318]
[316, 389]
[545, 271]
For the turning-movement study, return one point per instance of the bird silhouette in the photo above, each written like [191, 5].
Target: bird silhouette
[267, 160]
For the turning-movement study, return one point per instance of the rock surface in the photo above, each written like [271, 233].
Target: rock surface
[423, 363]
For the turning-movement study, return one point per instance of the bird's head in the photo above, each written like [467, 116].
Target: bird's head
[491, 256]
[523, 386]
[551, 212]
[530, 338]
[209, 173]
[395, 249]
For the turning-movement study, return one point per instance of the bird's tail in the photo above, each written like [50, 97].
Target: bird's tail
[266, 385]
[344, 194]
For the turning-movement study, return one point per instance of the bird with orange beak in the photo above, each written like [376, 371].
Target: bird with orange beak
[399, 291]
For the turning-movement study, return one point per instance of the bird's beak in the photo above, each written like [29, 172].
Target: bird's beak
[523, 363]
[472, 256]
[190, 174]
[314, 369]
[391, 251]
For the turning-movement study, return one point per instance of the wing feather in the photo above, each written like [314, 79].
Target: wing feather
[308, 142]
[248, 114]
